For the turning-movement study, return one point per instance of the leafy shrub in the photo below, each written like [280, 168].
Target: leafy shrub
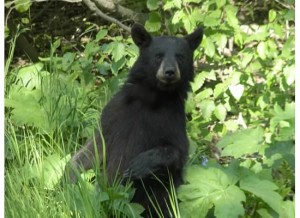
[240, 111]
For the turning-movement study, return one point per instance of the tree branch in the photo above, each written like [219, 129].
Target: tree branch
[92, 6]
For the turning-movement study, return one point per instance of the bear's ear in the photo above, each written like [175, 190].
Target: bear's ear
[140, 36]
[194, 38]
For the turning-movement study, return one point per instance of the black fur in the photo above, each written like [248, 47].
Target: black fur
[143, 125]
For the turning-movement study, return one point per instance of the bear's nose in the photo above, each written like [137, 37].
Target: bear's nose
[169, 74]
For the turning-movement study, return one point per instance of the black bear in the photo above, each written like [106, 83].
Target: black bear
[143, 125]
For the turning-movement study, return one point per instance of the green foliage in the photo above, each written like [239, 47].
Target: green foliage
[240, 111]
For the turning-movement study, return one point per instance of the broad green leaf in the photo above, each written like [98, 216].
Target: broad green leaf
[91, 49]
[236, 91]
[220, 112]
[219, 89]
[240, 143]
[22, 5]
[26, 108]
[290, 15]
[209, 47]
[67, 60]
[280, 150]
[221, 40]
[213, 19]
[118, 51]
[288, 114]
[231, 125]
[210, 186]
[220, 3]
[101, 34]
[207, 107]
[287, 209]
[263, 189]
[197, 208]
[117, 65]
[247, 57]
[289, 74]
[206, 93]
[178, 16]
[30, 76]
[231, 17]
[228, 203]
[261, 50]
[177, 3]
[153, 23]
[198, 82]
[288, 47]
[272, 15]
[52, 170]
[261, 33]
[153, 4]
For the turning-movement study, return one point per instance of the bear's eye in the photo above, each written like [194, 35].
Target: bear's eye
[180, 58]
[159, 56]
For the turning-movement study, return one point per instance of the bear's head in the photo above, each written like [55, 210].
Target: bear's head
[164, 62]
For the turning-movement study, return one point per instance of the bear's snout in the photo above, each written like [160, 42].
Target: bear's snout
[168, 73]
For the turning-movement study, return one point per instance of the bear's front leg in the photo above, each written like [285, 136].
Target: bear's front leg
[151, 161]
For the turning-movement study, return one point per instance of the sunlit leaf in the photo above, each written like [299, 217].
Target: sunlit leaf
[263, 189]
[243, 142]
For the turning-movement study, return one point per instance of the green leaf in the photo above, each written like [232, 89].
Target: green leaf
[290, 15]
[206, 93]
[220, 3]
[207, 107]
[26, 109]
[31, 76]
[261, 50]
[221, 40]
[236, 91]
[220, 112]
[198, 82]
[55, 46]
[228, 203]
[101, 34]
[243, 142]
[6, 31]
[213, 18]
[231, 17]
[153, 23]
[118, 51]
[205, 187]
[282, 115]
[209, 47]
[67, 60]
[178, 16]
[91, 49]
[197, 208]
[287, 209]
[263, 189]
[22, 5]
[288, 47]
[219, 89]
[272, 15]
[289, 74]
[153, 4]
[117, 65]
[52, 170]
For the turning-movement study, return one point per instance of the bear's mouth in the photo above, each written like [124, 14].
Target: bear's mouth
[166, 85]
